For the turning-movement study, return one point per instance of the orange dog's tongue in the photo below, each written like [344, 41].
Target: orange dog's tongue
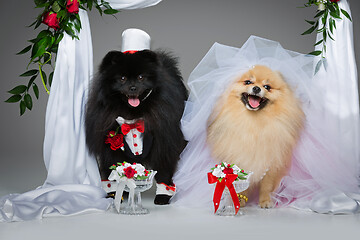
[134, 102]
[254, 101]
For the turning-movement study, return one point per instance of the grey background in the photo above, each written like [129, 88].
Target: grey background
[188, 28]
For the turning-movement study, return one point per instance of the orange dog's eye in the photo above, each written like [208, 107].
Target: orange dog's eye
[267, 87]
[247, 82]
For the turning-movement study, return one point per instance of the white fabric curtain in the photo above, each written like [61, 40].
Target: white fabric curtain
[73, 181]
[339, 84]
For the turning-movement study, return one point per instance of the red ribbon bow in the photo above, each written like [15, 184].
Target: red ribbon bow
[219, 189]
[139, 125]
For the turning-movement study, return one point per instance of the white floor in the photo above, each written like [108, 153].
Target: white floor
[170, 222]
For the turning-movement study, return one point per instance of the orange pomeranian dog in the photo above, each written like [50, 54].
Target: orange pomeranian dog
[255, 124]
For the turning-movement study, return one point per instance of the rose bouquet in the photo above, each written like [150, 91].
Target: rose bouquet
[57, 17]
[221, 170]
[135, 171]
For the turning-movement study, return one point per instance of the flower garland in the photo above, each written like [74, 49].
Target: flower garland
[135, 171]
[328, 11]
[60, 16]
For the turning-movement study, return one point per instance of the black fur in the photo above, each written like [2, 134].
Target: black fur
[161, 110]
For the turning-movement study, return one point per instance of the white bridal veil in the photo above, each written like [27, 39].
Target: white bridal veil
[73, 181]
[324, 176]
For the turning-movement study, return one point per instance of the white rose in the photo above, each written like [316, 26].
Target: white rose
[217, 172]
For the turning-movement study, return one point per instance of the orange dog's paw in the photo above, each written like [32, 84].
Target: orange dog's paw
[266, 202]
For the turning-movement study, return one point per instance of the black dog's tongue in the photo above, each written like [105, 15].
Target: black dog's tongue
[134, 102]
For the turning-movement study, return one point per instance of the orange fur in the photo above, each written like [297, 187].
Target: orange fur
[260, 141]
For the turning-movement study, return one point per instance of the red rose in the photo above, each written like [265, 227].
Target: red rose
[228, 171]
[129, 172]
[72, 6]
[51, 20]
[334, 1]
[116, 141]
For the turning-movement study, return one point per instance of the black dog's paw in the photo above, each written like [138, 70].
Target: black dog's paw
[162, 199]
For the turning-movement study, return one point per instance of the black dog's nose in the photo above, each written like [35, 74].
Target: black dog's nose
[132, 89]
[256, 89]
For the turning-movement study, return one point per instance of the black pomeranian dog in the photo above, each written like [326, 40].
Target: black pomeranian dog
[145, 85]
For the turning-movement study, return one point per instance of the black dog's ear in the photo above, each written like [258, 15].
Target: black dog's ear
[110, 59]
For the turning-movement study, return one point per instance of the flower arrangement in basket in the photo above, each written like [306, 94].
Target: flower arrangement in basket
[134, 171]
[224, 175]
[133, 178]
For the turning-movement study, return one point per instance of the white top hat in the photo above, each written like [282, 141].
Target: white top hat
[134, 39]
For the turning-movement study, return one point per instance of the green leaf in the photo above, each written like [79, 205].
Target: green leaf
[32, 79]
[310, 30]
[318, 42]
[325, 63]
[44, 77]
[25, 50]
[346, 14]
[51, 78]
[43, 34]
[39, 48]
[36, 91]
[110, 11]
[39, 2]
[14, 98]
[33, 23]
[90, 4]
[331, 24]
[315, 53]
[61, 14]
[56, 7]
[18, 90]
[28, 101]
[29, 73]
[39, 21]
[22, 108]
[99, 9]
[324, 36]
[58, 38]
[319, 13]
[310, 22]
[318, 65]
[335, 15]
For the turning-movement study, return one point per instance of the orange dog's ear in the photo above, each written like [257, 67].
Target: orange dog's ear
[280, 75]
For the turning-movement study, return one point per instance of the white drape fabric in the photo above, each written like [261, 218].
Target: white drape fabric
[324, 176]
[73, 183]
[339, 84]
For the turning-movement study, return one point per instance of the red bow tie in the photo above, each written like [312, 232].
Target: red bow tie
[139, 125]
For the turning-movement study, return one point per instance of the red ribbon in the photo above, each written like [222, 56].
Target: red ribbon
[131, 51]
[219, 189]
[139, 125]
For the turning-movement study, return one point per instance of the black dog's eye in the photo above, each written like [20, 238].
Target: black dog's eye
[140, 77]
[247, 82]
[122, 78]
[267, 87]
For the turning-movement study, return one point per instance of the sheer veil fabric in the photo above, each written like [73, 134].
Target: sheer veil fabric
[324, 176]
[73, 181]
